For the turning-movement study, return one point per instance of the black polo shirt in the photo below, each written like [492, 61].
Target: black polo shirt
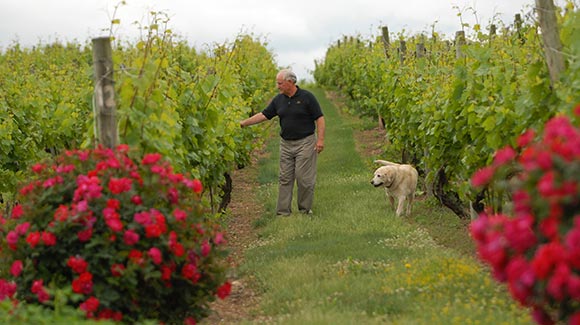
[297, 114]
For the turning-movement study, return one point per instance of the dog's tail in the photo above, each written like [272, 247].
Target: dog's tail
[385, 163]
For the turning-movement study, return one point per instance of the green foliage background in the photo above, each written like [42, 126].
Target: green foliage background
[171, 98]
[449, 113]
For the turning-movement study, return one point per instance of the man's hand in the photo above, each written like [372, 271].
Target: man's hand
[319, 146]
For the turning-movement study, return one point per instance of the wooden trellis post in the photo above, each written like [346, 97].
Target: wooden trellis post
[518, 27]
[459, 42]
[402, 50]
[386, 45]
[105, 117]
[550, 35]
[386, 41]
[420, 50]
[492, 32]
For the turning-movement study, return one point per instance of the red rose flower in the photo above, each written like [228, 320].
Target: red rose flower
[136, 256]
[90, 305]
[36, 286]
[150, 159]
[205, 248]
[558, 282]
[131, 237]
[224, 290]
[7, 289]
[546, 259]
[177, 249]
[526, 138]
[38, 168]
[62, 213]
[12, 239]
[77, 264]
[119, 185]
[179, 214]
[114, 224]
[85, 235]
[197, 186]
[83, 284]
[16, 268]
[22, 228]
[156, 255]
[42, 295]
[136, 199]
[16, 211]
[166, 273]
[153, 231]
[48, 238]
[33, 238]
[189, 271]
[482, 176]
[503, 156]
[519, 233]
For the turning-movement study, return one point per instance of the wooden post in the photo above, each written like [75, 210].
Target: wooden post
[106, 122]
[492, 33]
[386, 42]
[550, 35]
[386, 45]
[518, 22]
[420, 50]
[402, 50]
[518, 26]
[459, 42]
[428, 185]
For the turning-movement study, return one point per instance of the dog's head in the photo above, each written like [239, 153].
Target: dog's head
[384, 176]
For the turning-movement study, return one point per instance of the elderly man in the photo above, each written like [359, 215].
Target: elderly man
[302, 129]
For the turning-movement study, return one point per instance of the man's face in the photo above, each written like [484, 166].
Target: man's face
[284, 86]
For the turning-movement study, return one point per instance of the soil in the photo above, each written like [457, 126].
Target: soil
[245, 207]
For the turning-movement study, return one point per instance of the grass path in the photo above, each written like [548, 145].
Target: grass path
[354, 262]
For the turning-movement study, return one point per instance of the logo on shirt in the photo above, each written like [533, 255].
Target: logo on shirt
[298, 102]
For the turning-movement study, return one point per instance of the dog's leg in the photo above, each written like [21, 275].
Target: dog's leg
[410, 204]
[400, 206]
[390, 198]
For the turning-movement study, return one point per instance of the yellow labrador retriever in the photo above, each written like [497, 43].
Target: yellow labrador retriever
[399, 181]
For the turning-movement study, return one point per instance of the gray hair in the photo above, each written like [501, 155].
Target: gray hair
[289, 75]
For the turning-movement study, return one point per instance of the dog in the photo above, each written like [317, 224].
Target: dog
[399, 181]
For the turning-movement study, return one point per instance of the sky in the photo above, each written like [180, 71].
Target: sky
[298, 32]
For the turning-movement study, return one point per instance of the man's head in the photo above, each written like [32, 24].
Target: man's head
[286, 82]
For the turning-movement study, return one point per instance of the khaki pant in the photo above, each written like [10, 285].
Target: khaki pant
[297, 163]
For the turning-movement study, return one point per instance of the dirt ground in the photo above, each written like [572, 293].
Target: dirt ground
[243, 303]
[244, 209]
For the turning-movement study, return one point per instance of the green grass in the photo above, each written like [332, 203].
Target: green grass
[354, 261]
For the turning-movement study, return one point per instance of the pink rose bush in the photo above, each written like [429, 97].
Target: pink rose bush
[535, 247]
[128, 237]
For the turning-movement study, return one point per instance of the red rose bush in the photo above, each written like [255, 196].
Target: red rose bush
[535, 248]
[128, 237]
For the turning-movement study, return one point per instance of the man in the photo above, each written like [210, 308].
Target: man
[300, 118]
